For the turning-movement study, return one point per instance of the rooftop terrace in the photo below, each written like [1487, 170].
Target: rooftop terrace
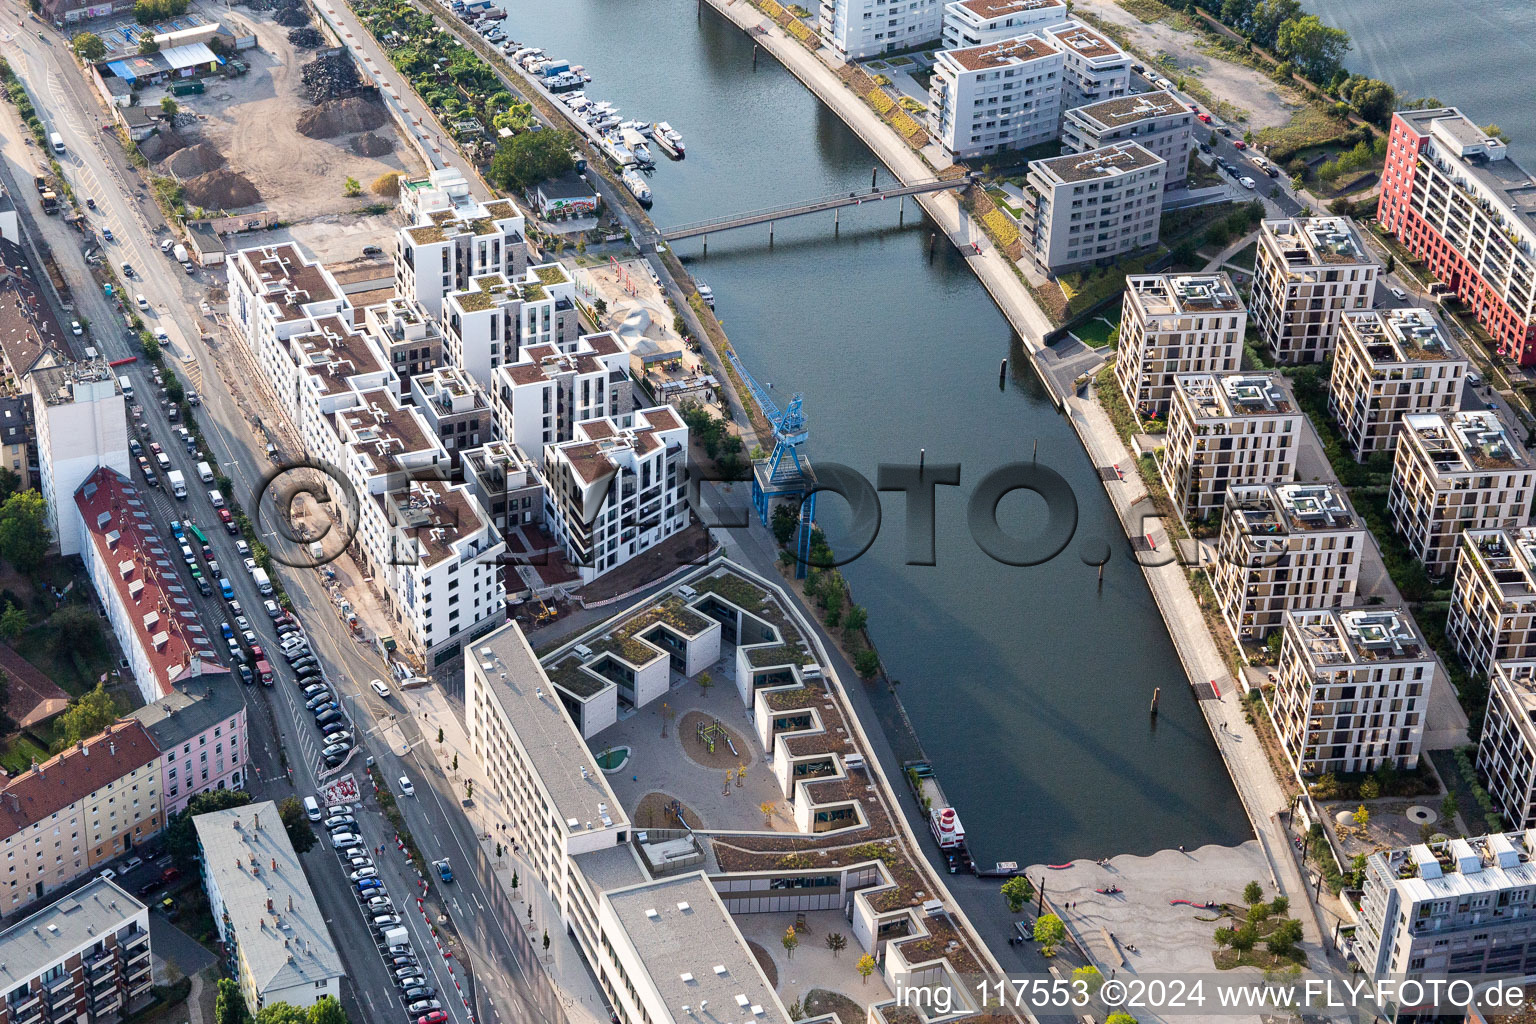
[1133, 109]
[1281, 509]
[1464, 442]
[1005, 53]
[1105, 162]
[1335, 639]
[1401, 335]
[1230, 395]
[1173, 294]
[1317, 241]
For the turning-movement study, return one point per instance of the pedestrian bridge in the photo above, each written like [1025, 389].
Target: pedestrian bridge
[835, 202]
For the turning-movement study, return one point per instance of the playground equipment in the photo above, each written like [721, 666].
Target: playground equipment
[712, 732]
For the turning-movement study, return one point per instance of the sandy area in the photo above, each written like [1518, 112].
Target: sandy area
[1267, 104]
[251, 120]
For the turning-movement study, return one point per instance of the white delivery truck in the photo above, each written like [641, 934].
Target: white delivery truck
[127, 386]
[263, 581]
[178, 481]
[56, 141]
[205, 472]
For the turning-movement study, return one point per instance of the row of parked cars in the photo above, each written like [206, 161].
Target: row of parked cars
[337, 738]
[388, 928]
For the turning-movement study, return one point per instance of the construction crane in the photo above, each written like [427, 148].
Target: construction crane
[786, 474]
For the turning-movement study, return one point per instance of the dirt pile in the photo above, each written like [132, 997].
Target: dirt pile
[162, 144]
[221, 190]
[194, 160]
[369, 144]
[342, 117]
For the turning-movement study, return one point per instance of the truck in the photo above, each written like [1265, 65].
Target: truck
[396, 936]
[264, 671]
[41, 181]
[181, 254]
[178, 481]
[263, 581]
[50, 202]
[56, 141]
[127, 386]
[205, 472]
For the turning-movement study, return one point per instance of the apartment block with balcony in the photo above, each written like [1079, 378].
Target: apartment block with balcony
[1227, 430]
[1461, 907]
[1285, 547]
[616, 491]
[1455, 472]
[1493, 598]
[275, 294]
[1095, 68]
[1155, 120]
[1452, 196]
[410, 340]
[454, 407]
[506, 483]
[999, 95]
[1353, 689]
[453, 238]
[85, 957]
[539, 399]
[978, 22]
[855, 29]
[1172, 324]
[496, 318]
[1309, 272]
[1391, 363]
[1506, 751]
[1090, 207]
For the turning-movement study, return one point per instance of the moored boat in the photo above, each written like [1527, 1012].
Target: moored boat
[637, 187]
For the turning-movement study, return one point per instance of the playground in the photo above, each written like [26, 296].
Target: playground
[709, 743]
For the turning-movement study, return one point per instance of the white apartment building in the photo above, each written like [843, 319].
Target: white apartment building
[978, 22]
[453, 238]
[1155, 120]
[408, 337]
[614, 491]
[1095, 68]
[999, 95]
[1459, 908]
[275, 293]
[539, 399]
[454, 407]
[495, 318]
[264, 909]
[81, 420]
[1309, 273]
[505, 481]
[1226, 430]
[1506, 752]
[856, 29]
[1455, 472]
[330, 369]
[1285, 547]
[1390, 363]
[1172, 324]
[1354, 686]
[1091, 207]
[1493, 599]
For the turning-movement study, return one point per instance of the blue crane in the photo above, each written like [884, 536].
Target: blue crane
[786, 473]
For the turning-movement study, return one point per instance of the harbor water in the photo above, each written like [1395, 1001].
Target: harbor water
[1028, 687]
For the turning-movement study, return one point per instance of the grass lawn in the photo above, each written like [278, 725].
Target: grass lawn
[1004, 200]
[922, 78]
[18, 754]
[1308, 127]
[1094, 332]
[74, 672]
[1086, 289]
[1245, 256]
[900, 62]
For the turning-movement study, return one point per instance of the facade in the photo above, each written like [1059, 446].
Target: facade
[1172, 324]
[69, 815]
[496, 318]
[1455, 472]
[1155, 120]
[539, 399]
[505, 481]
[277, 943]
[1390, 363]
[997, 96]
[1285, 547]
[201, 734]
[1506, 751]
[1462, 907]
[82, 424]
[1493, 599]
[1309, 272]
[16, 430]
[978, 22]
[276, 294]
[453, 238]
[1452, 196]
[454, 408]
[1354, 686]
[84, 957]
[410, 340]
[135, 576]
[856, 29]
[1091, 207]
[615, 491]
[1095, 68]
[1227, 430]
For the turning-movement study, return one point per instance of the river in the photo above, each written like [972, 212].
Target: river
[1476, 56]
[1028, 687]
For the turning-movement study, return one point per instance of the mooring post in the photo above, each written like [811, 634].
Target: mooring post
[836, 215]
[1157, 692]
[754, 56]
[1035, 455]
[872, 172]
[770, 234]
[901, 212]
[1002, 373]
[706, 245]
[932, 240]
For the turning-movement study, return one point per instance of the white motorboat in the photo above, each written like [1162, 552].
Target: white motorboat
[706, 293]
[637, 187]
[668, 138]
[635, 143]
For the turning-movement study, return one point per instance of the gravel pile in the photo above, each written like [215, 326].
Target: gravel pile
[342, 117]
[369, 144]
[221, 190]
[194, 160]
[162, 144]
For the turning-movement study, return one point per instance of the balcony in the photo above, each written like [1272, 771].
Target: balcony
[60, 983]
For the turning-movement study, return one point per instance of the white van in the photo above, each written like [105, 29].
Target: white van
[205, 472]
[56, 141]
[312, 808]
[127, 386]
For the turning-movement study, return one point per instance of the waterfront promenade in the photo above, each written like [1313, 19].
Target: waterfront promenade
[1261, 795]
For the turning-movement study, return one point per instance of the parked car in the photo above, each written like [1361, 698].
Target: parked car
[380, 904]
[322, 717]
[325, 707]
[362, 873]
[318, 699]
[335, 750]
[1399, 294]
[1239, 144]
[420, 992]
[386, 921]
[422, 1005]
[340, 736]
[345, 840]
[435, 1017]
[242, 547]
[1206, 118]
[334, 726]
[1246, 182]
[367, 884]
[246, 675]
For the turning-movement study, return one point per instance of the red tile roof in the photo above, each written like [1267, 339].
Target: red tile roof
[72, 775]
[34, 697]
[145, 579]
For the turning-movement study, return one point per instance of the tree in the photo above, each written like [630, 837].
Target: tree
[297, 823]
[280, 1013]
[789, 941]
[327, 1011]
[866, 663]
[1496, 132]
[1223, 937]
[351, 187]
[169, 106]
[546, 942]
[1090, 978]
[13, 621]
[1279, 905]
[514, 884]
[24, 533]
[784, 524]
[865, 967]
[76, 630]
[148, 45]
[1018, 891]
[705, 682]
[86, 716]
[1282, 941]
[1448, 809]
[229, 1006]
[1370, 789]
[1314, 47]
[88, 47]
[836, 942]
[1049, 932]
[1266, 18]
[439, 734]
[1253, 893]
[529, 158]
[181, 837]
[1244, 939]
[1362, 816]
[856, 619]
[767, 808]
[1374, 99]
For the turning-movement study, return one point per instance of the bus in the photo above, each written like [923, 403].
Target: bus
[202, 538]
